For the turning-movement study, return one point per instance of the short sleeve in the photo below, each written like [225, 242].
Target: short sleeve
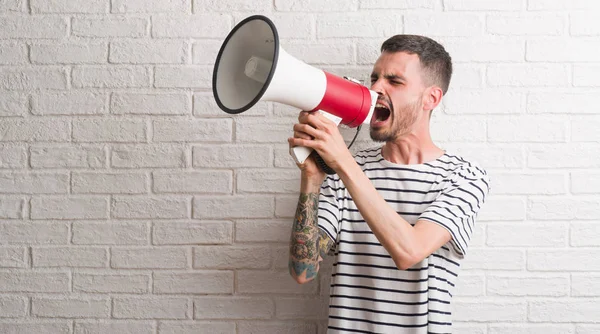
[329, 212]
[458, 204]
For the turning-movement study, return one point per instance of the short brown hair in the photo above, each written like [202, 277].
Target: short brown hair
[434, 58]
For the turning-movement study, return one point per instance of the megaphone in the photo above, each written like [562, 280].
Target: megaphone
[251, 66]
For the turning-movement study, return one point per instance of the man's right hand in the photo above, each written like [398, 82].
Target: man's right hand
[311, 172]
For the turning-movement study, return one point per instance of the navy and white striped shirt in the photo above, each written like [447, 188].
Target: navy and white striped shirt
[368, 293]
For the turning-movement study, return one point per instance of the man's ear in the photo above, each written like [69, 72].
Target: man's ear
[432, 97]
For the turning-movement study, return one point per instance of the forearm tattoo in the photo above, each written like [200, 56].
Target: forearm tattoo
[307, 245]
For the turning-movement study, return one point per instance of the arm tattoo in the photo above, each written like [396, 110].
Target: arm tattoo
[307, 245]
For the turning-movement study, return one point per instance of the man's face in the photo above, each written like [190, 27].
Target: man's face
[397, 78]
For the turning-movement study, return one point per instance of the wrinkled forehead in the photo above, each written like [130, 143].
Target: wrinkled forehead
[402, 64]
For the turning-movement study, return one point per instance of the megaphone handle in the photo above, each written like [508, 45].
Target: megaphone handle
[301, 153]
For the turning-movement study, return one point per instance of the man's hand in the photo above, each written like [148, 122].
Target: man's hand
[321, 134]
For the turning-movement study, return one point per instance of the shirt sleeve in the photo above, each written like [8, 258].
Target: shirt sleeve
[329, 212]
[458, 204]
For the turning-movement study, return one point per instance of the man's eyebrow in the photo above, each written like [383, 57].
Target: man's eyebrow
[389, 76]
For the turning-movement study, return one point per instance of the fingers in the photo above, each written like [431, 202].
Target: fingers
[306, 131]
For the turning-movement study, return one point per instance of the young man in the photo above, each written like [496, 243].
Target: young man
[398, 218]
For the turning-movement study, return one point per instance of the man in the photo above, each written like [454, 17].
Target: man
[398, 218]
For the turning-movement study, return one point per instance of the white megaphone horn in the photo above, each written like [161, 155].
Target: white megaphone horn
[251, 66]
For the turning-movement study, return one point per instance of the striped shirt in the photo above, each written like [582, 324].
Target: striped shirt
[368, 293]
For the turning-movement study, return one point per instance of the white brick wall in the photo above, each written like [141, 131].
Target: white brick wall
[129, 203]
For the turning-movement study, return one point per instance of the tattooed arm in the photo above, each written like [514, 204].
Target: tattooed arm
[308, 244]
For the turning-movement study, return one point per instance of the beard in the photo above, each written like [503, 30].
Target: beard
[401, 123]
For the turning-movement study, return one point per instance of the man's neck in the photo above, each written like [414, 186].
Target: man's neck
[411, 150]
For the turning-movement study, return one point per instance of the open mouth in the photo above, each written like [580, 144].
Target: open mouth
[381, 113]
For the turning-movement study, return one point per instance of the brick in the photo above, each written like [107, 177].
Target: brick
[121, 233]
[109, 183]
[150, 308]
[467, 76]
[231, 156]
[195, 26]
[13, 53]
[494, 259]
[13, 307]
[584, 24]
[267, 282]
[67, 207]
[470, 286]
[527, 75]
[137, 327]
[12, 6]
[219, 182]
[183, 77]
[231, 5]
[52, 130]
[69, 53]
[311, 53]
[491, 156]
[233, 207]
[69, 257]
[583, 76]
[585, 182]
[263, 230]
[66, 6]
[527, 285]
[478, 5]
[268, 181]
[109, 130]
[488, 311]
[587, 329]
[38, 282]
[553, 208]
[111, 77]
[582, 129]
[283, 159]
[585, 285]
[526, 24]
[560, 103]
[529, 183]
[281, 260]
[231, 257]
[584, 234]
[233, 308]
[150, 104]
[97, 283]
[151, 6]
[139, 207]
[359, 25]
[458, 129]
[149, 258]
[13, 104]
[192, 233]
[530, 329]
[148, 52]
[484, 49]
[316, 6]
[561, 5]
[205, 52]
[527, 234]
[207, 130]
[292, 26]
[148, 156]
[287, 327]
[206, 106]
[11, 207]
[502, 208]
[184, 327]
[468, 328]
[562, 260]
[264, 130]
[526, 129]
[305, 308]
[285, 206]
[563, 310]
[205, 282]
[13, 156]
[14, 257]
[33, 27]
[67, 157]
[564, 156]
[34, 183]
[575, 50]
[67, 103]
[447, 24]
[35, 326]
[110, 27]
[70, 307]
[27, 79]
[29, 233]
